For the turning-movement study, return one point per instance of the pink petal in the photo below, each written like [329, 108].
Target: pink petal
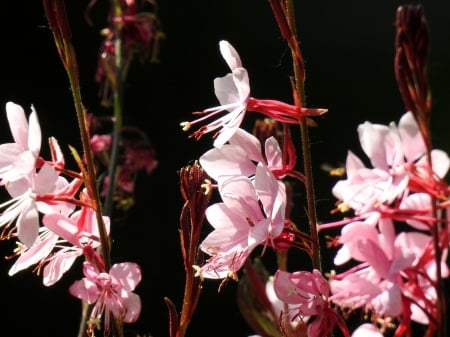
[90, 271]
[36, 253]
[85, 290]
[133, 306]
[440, 162]
[412, 140]
[58, 265]
[18, 124]
[9, 153]
[227, 93]
[230, 55]
[227, 160]
[234, 120]
[239, 196]
[388, 302]
[249, 143]
[367, 330]
[273, 153]
[63, 226]
[34, 134]
[45, 180]
[28, 224]
[128, 274]
[370, 137]
[267, 188]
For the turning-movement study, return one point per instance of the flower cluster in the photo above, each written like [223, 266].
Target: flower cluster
[135, 154]
[54, 222]
[390, 258]
[250, 180]
[139, 35]
[389, 235]
[392, 250]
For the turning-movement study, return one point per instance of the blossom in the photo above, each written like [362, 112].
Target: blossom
[399, 164]
[233, 93]
[77, 231]
[392, 266]
[252, 213]
[61, 240]
[307, 294]
[241, 155]
[19, 158]
[33, 194]
[110, 292]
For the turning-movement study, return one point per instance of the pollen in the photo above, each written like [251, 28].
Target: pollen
[185, 126]
[206, 186]
[343, 207]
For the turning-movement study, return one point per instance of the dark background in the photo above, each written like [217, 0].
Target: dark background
[348, 47]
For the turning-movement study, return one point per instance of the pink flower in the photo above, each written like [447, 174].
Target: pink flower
[19, 158]
[140, 32]
[62, 240]
[77, 231]
[100, 143]
[398, 157]
[233, 93]
[392, 267]
[240, 156]
[252, 213]
[32, 194]
[110, 292]
[307, 294]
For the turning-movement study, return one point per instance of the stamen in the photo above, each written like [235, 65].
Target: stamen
[185, 126]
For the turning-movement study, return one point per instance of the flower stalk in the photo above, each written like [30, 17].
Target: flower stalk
[117, 88]
[285, 16]
[59, 24]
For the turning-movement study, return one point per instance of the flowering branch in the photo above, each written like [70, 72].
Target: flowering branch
[59, 25]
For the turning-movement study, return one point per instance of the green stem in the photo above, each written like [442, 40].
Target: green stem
[307, 162]
[117, 106]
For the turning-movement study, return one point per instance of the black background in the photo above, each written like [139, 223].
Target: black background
[348, 47]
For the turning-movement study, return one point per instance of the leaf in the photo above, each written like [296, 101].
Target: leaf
[173, 317]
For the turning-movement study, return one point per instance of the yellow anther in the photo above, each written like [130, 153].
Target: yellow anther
[185, 126]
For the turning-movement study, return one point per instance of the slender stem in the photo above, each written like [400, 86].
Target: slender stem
[58, 21]
[117, 106]
[307, 162]
[91, 178]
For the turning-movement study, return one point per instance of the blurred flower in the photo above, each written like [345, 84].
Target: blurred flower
[140, 33]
